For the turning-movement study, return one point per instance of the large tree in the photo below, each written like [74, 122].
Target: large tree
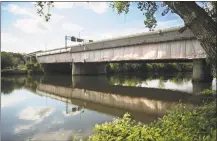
[199, 17]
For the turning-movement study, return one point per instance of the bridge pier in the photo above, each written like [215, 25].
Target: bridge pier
[88, 68]
[201, 71]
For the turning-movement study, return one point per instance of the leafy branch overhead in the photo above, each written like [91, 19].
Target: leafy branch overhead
[149, 8]
[41, 6]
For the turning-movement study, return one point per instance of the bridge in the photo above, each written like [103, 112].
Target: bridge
[169, 45]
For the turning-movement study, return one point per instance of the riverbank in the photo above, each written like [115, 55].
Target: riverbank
[183, 123]
[27, 69]
[149, 67]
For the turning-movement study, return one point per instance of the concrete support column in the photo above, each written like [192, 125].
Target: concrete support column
[88, 68]
[201, 71]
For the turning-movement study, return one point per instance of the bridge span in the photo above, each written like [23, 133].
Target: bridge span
[159, 46]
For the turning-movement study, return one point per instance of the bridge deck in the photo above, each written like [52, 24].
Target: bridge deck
[167, 44]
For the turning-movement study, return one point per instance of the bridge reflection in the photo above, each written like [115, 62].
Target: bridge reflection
[95, 93]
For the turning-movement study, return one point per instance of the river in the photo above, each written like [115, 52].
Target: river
[58, 107]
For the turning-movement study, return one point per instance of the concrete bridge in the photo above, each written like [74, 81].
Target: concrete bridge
[159, 46]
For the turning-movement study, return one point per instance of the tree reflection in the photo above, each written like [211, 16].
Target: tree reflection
[178, 78]
[161, 82]
[9, 84]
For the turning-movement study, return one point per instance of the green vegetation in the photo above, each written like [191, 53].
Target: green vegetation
[29, 68]
[183, 123]
[34, 68]
[138, 79]
[149, 67]
[208, 92]
[11, 60]
[12, 83]
[14, 64]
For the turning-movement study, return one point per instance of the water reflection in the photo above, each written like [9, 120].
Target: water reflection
[179, 81]
[47, 107]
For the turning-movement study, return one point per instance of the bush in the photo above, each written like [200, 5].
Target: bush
[150, 67]
[184, 123]
[34, 68]
[13, 71]
[208, 92]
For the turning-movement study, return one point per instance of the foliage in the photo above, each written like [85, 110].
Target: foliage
[183, 123]
[10, 84]
[41, 5]
[13, 71]
[34, 68]
[138, 79]
[149, 67]
[9, 59]
[150, 8]
[208, 92]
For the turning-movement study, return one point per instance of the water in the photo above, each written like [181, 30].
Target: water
[59, 107]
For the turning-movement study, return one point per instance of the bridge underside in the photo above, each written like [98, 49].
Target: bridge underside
[201, 70]
[52, 68]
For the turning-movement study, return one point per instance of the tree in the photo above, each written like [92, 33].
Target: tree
[6, 59]
[200, 19]
[9, 59]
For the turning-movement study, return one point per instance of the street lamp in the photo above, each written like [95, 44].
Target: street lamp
[79, 33]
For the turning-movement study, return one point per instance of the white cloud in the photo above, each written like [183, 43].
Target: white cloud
[30, 26]
[17, 10]
[71, 27]
[34, 21]
[63, 5]
[29, 32]
[170, 23]
[10, 101]
[35, 113]
[8, 38]
[98, 7]
[21, 128]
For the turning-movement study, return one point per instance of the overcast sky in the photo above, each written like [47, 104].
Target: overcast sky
[22, 30]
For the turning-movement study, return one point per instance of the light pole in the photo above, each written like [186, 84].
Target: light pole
[67, 38]
[79, 33]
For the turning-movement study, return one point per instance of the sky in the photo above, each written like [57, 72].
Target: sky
[24, 31]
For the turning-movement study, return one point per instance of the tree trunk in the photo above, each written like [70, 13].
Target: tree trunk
[200, 23]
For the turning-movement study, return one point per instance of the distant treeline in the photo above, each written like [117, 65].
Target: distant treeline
[149, 67]
[15, 63]
[10, 60]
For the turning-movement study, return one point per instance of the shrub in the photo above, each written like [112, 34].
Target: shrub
[149, 67]
[208, 92]
[183, 123]
[34, 68]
